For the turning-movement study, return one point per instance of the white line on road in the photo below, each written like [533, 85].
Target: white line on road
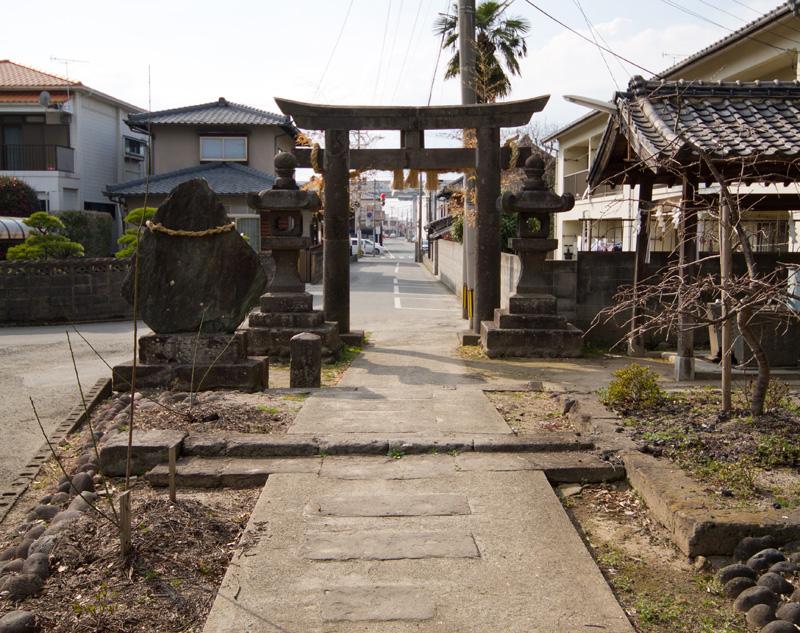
[396, 268]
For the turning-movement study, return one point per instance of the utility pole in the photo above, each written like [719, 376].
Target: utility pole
[466, 54]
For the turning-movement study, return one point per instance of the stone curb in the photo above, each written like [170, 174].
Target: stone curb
[262, 445]
[74, 419]
[683, 507]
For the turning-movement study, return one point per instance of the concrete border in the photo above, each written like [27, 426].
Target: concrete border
[74, 419]
[682, 506]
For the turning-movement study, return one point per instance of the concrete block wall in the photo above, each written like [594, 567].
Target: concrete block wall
[450, 265]
[61, 291]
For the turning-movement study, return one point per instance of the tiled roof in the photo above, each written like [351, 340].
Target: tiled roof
[30, 98]
[220, 112]
[667, 123]
[223, 178]
[13, 75]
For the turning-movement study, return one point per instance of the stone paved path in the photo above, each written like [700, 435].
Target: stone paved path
[420, 542]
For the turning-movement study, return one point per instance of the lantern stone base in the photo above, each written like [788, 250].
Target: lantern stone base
[186, 362]
[282, 316]
[530, 328]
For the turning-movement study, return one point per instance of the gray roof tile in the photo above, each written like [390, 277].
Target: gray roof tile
[220, 112]
[223, 178]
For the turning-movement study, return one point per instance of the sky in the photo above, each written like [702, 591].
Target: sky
[380, 52]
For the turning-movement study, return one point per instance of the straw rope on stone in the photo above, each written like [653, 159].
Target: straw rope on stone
[216, 230]
[432, 180]
[397, 179]
[512, 163]
[412, 182]
[315, 159]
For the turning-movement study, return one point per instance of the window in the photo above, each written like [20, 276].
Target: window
[134, 148]
[223, 148]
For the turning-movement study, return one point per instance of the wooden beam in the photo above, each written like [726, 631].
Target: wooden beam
[443, 158]
[315, 116]
[636, 342]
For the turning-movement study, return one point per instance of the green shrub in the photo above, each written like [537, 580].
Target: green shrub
[130, 238]
[47, 242]
[91, 229]
[457, 228]
[17, 197]
[633, 388]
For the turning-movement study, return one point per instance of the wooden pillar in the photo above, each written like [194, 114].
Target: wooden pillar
[687, 249]
[487, 233]
[636, 341]
[726, 339]
[336, 245]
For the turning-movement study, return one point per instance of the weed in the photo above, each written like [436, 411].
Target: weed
[296, 397]
[324, 454]
[774, 450]
[268, 409]
[633, 388]
[453, 452]
[395, 453]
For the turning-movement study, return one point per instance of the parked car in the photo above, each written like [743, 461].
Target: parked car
[371, 248]
[380, 249]
[354, 246]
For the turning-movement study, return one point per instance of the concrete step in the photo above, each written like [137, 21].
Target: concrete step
[530, 343]
[225, 472]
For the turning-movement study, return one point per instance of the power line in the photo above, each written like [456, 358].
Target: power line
[394, 39]
[438, 55]
[586, 39]
[596, 43]
[408, 49]
[333, 50]
[383, 47]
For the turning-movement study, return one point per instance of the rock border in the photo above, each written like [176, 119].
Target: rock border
[74, 419]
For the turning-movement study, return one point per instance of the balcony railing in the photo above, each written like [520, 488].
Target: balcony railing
[37, 158]
[576, 185]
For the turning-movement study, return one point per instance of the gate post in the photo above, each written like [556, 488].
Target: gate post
[336, 245]
[487, 231]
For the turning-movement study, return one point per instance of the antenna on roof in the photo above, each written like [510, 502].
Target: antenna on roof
[675, 56]
[66, 61]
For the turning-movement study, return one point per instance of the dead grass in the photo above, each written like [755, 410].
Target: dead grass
[531, 411]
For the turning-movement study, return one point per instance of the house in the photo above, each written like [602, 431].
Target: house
[65, 139]
[605, 216]
[232, 146]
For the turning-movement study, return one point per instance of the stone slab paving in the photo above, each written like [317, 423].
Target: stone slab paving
[513, 563]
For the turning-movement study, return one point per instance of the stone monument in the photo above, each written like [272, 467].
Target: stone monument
[286, 309]
[532, 327]
[197, 279]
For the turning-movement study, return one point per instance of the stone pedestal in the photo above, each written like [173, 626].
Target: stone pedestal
[184, 362]
[286, 309]
[306, 364]
[532, 327]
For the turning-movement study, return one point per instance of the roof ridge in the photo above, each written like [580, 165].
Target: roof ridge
[641, 87]
[221, 102]
[70, 82]
[192, 169]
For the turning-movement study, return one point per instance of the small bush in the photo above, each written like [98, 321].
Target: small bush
[633, 388]
[17, 197]
[47, 242]
[92, 229]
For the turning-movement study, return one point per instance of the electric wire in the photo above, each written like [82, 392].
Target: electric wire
[394, 41]
[408, 50]
[438, 55]
[383, 49]
[333, 50]
[596, 43]
[586, 39]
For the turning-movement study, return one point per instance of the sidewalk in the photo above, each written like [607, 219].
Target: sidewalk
[436, 542]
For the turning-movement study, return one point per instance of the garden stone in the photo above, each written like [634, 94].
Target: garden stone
[87, 467]
[8, 553]
[21, 586]
[82, 460]
[305, 360]
[791, 547]
[56, 528]
[795, 557]
[150, 448]
[770, 555]
[67, 516]
[22, 548]
[45, 512]
[59, 498]
[43, 545]
[779, 626]
[38, 564]
[751, 545]
[776, 582]
[735, 586]
[35, 532]
[83, 482]
[753, 596]
[175, 297]
[759, 616]
[18, 622]
[795, 597]
[45, 499]
[789, 612]
[13, 566]
[83, 502]
[784, 567]
[64, 486]
[736, 570]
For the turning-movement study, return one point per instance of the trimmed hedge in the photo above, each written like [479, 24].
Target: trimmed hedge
[92, 229]
[17, 197]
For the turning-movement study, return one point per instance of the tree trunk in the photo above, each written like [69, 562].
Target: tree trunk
[762, 381]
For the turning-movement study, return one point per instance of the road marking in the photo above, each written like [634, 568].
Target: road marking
[390, 254]
[396, 268]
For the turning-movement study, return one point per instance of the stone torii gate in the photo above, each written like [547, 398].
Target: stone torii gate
[488, 158]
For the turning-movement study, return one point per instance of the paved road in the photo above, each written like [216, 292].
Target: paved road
[35, 362]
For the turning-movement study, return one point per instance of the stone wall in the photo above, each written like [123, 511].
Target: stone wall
[70, 290]
[450, 264]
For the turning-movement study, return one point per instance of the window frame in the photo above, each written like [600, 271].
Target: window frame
[223, 138]
[142, 144]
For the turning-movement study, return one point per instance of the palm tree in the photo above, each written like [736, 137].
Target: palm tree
[497, 38]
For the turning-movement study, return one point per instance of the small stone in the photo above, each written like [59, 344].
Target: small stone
[701, 563]
[60, 498]
[83, 482]
[45, 512]
[38, 564]
[737, 585]
[779, 626]
[8, 553]
[211, 417]
[43, 545]
[750, 545]
[18, 622]
[791, 547]
[64, 486]
[34, 532]
[570, 490]
[789, 612]
[753, 596]
[735, 571]
[22, 548]
[795, 596]
[86, 457]
[795, 557]
[22, 586]
[87, 467]
[784, 567]
[726, 492]
[66, 516]
[13, 566]
[759, 616]
[776, 583]
[46, 499]
[83, 502]
[569, 403]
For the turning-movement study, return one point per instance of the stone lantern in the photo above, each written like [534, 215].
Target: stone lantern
[286, 308]
[531, 326]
